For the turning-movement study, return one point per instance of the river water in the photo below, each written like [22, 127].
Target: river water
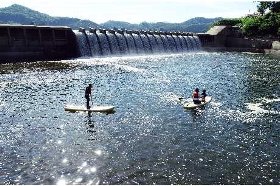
[150, 139]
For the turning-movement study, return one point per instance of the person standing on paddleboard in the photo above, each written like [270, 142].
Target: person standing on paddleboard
[88, 94]
[196, 96]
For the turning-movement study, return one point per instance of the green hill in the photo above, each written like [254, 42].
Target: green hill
[17, 14]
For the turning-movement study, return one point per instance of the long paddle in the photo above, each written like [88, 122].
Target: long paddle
[183, 100]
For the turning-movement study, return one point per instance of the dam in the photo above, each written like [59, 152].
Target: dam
[36, 43]
[31, 43]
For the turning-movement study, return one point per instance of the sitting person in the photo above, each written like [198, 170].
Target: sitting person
[203, 95]
[195, 96]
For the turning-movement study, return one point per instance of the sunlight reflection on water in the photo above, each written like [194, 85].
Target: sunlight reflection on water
[150, 139]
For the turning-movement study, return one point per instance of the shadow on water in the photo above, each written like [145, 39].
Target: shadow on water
[90, 127]
[11, 68]
[91, 123]
[196, 114]
[90, 114]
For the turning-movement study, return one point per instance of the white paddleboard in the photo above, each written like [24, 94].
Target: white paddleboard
[75, 108]
[191, 105]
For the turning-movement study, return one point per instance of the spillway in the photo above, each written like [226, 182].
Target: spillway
[101, 42]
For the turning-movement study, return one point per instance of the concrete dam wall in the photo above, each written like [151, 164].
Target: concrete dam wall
[31, 43]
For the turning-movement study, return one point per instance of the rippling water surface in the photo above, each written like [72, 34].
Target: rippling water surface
[150, 139]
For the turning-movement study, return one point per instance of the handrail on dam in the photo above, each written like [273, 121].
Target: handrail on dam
[150, 32]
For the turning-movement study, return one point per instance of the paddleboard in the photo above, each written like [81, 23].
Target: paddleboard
[191, 105]
[75, 108]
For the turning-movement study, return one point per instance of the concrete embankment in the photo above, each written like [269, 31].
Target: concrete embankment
[275, 50]
[227, 38]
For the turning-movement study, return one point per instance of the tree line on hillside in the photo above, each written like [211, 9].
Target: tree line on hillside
[17, 14]
[197, 25]
[265, 22]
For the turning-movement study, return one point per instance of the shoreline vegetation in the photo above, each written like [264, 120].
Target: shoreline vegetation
[264, 24]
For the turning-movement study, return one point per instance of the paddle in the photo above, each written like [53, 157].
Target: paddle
[181, 100]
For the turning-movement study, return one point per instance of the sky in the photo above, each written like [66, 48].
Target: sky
[137, 11]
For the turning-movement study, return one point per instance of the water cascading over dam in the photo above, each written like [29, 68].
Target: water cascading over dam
[101, 42]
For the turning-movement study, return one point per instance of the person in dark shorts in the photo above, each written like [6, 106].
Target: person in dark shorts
[88, 94]
[203, 95]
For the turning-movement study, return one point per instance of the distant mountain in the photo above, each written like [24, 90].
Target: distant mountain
[17, 14]
[119, 25]
[198, 25]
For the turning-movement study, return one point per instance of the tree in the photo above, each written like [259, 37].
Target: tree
[251, 25]
[272, 6]
[275, 7]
